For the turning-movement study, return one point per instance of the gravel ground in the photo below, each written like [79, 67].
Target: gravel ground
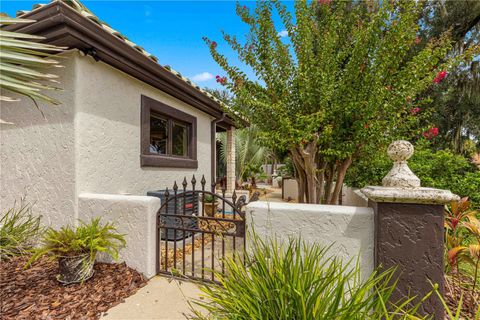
[34, 293]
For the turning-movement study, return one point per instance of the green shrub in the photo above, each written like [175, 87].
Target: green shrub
[293, 280]
[19, 229]
[87, 238]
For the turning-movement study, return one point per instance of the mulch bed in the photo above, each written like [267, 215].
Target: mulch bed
[455, 287]
[35, 293]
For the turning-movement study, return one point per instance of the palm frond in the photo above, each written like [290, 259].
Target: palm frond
[22, 63]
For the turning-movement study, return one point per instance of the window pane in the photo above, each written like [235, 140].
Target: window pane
[179, 139]
[158, 135]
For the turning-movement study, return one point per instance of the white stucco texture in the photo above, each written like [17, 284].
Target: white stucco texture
[37, 151]
[90, 143]
[349, 230]
[133, 216]
[107, 133]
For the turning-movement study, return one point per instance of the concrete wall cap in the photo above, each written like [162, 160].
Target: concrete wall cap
[119, 197]
[319, 208]
[409, 195]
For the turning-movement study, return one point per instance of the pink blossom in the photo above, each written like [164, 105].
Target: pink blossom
[418, 40]
[324, 2]
[214, 44]
[431, 133]
[415, 110]
[221, 80]
[440, 76]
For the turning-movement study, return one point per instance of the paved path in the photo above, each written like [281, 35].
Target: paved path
[162, 298]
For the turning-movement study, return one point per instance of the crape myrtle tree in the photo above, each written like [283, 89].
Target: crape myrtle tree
[343, 82]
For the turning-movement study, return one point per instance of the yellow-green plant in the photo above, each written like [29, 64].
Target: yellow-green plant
[19, 228]
[88, 238]
[295, 280]
[23, 61]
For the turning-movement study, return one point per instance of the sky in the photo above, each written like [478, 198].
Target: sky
[170, 30]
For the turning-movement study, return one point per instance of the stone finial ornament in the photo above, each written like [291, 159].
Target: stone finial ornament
[400, 176]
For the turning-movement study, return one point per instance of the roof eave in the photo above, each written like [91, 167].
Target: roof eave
[62, 25]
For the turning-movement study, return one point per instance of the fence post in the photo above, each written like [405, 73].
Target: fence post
[409, 230]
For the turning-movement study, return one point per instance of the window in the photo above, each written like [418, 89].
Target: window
[169, 137]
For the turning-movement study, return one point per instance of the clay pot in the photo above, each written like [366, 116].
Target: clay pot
[210, 209]
[75, 269]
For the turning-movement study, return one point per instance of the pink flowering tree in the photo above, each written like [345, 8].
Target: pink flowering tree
[345, 81]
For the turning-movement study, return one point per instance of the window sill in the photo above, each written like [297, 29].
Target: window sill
[167, 162]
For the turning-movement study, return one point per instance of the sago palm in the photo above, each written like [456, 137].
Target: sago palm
[23, 61]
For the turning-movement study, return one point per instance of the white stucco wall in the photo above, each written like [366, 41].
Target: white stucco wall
[290, 189]
[353, 197]
[350, 230]
[37, 151]
[108, 133]
[90, 143]
[133, 216]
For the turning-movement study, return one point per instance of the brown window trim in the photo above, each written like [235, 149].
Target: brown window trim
[147, 159]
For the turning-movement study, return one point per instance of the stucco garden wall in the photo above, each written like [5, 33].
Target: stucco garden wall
[350, 230]
[37, 151]
[108, 133]
[133, 216]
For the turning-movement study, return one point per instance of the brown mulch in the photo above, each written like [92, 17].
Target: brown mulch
[35, 293]
[458, 286]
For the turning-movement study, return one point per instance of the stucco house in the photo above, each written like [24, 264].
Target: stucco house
[126, 124]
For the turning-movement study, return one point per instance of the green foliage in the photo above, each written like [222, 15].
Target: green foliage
[456, 101]
[208, 198]
[342, 83]
[441, 169]
[287, 170]
[293, 280]
[23, 61]
[86, 239]
[19, 229]
[249, 153]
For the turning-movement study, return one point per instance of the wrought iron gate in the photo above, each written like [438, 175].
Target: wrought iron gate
[197, 229]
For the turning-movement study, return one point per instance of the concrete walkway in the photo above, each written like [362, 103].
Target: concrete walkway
[162, 298]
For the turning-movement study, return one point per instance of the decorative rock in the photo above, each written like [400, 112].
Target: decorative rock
[400, 176]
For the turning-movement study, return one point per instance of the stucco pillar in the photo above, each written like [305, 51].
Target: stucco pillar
[409, 230]
[231, 179]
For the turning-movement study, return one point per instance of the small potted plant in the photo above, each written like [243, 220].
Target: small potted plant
[76, 248]
[210, 206]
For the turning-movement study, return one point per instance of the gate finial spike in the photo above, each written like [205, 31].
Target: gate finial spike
[203, 181]
[234, 197]
[175, 187]
[194, 181]
[166, 193]
[184, 183]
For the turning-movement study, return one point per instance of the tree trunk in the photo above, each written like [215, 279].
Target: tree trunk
[304, 159]
[341, 171]
[300, 176]
[330, 173]
[320, 181]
